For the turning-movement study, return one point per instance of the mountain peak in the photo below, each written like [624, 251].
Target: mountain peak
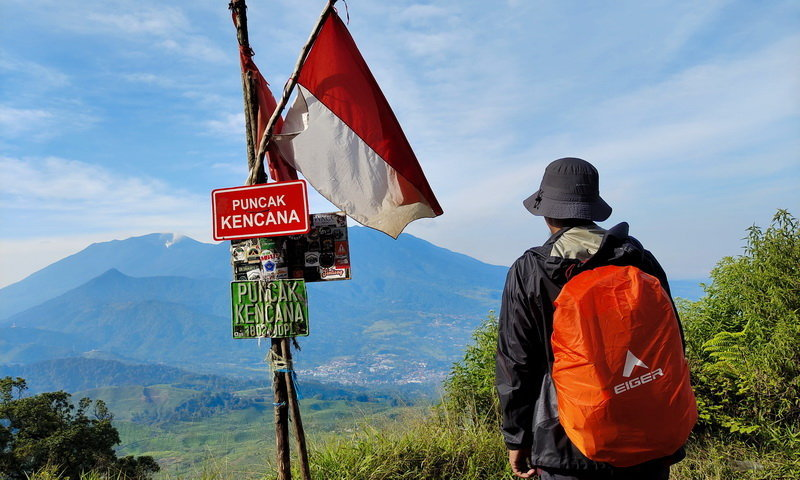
[173, 238]
[111, 273]
[165, 239]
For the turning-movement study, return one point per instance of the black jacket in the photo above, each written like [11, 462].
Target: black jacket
[524, 354]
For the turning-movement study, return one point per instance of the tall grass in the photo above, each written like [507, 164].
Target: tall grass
[433, 446]
[439, 447]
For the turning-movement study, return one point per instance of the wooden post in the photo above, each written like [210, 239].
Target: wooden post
[280, 405]
[258, 175]
[294, 407]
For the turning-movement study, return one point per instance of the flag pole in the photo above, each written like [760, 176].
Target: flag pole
[287, 91]
[258, 175]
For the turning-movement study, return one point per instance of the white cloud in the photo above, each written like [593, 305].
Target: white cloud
[690, 110]
[704, 150]
[150, 79]
[227, 125]
[422, 14]
[33, 73]
[15, 122]
[137, 20]
[155, 24]
[41, 124]
[57, 197]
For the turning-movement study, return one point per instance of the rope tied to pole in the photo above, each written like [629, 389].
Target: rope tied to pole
[279, 364]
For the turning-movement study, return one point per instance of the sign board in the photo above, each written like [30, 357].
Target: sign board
[267, 210]
[273, 309]
[320, 255]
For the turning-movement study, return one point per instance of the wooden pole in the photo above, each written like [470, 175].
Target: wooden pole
[258, 175]
[294, 407]
[287, 90]
[280, 403]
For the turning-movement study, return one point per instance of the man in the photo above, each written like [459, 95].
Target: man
[570, 202]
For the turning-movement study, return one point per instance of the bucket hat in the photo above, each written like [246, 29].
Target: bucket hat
[570, 189]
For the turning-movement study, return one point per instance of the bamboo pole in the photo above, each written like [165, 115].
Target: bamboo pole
[287, 91]
[258, 175]
[294, 407]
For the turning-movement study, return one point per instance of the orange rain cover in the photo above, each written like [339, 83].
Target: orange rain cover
[620, 373]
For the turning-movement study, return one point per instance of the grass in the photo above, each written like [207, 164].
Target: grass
[373, 442]
[435, 446]
[236, 444]
[710, 458]
[425, 444]
[413, 448]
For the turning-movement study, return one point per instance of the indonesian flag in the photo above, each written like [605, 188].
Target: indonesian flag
[350, 146]
[279, 169]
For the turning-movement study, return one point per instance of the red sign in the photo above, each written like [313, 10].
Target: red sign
[267, 210]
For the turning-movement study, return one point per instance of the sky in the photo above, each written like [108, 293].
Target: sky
[118, 117]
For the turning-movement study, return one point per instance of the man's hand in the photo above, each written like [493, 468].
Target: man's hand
[520, 463]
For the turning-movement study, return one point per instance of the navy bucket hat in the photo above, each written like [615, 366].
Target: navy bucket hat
[570, 189]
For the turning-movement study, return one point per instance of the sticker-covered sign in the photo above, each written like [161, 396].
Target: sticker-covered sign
[267, 210]
[273, 309]
[320, 255]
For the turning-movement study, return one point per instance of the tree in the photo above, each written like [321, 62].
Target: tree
[743, 338]
[47, 429]
[469, 389]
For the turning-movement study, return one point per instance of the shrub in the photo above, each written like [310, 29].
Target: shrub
[743, 338]
[469, 389]
[46, 433]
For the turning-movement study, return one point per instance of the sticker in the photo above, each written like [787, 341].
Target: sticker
[325, 246]
[312, 259]
[333, 273]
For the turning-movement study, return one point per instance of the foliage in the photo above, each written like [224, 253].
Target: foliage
[722, 457]
[48, 431]
[743, 339]
[469, 389]
[432, 447]
[204, 405]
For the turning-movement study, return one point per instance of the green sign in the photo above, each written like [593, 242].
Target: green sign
[273, 308]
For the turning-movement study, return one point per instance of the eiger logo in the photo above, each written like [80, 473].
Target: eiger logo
[631, 362]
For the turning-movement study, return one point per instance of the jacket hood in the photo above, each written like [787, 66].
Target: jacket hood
[611, 247]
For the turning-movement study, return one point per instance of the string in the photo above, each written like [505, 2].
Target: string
[279, 364]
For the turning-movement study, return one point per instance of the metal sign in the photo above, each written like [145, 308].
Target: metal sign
[273, 309]
[320, 255]
[267, 210]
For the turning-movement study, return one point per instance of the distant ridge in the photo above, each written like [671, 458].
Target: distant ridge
[148, 255]
[404, 318]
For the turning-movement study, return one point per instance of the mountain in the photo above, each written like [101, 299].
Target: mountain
[150, 255]
[404, 317]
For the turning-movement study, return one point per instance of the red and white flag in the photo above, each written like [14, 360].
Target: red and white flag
[350, 146]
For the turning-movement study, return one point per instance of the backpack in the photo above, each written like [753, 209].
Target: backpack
[619, 371]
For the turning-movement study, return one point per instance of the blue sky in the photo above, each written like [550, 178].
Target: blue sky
[117, 118]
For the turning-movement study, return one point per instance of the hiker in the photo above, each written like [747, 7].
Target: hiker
[546, 434]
